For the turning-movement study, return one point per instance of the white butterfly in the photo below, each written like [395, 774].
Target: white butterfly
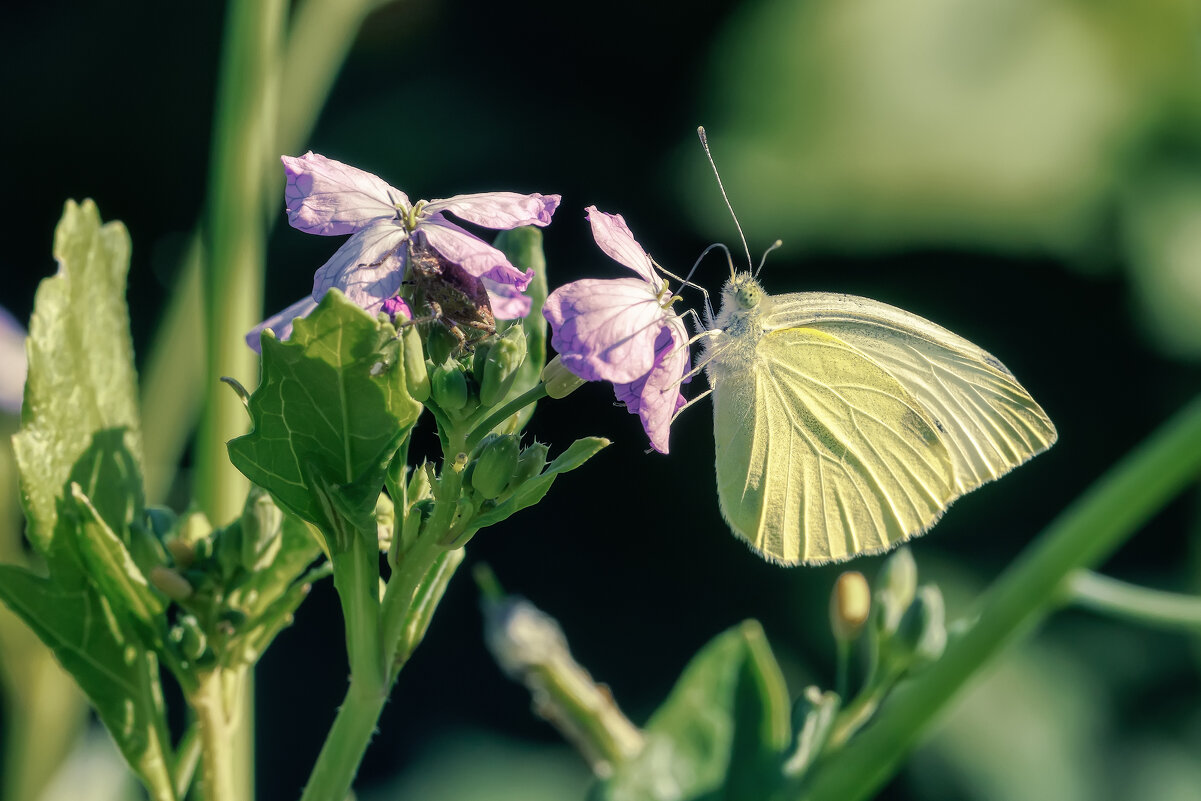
[845, 426]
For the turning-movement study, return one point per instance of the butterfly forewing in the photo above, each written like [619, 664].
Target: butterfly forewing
[821, 453]
[988, 421]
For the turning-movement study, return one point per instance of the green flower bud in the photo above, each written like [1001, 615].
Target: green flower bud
[530, 463]
[161, 521]
[895, 586]
[170, 583]
[227, 549]
[385, 519]
[503, 360]
[262, 523]
[194, 527]
[448, 387]
[558, 380]
[440, 343]
[189, 638]
[457, 536]
[183, 554]
[479, 359]
[850, 604]
[417, 379]
[922, 633]
[495, 466]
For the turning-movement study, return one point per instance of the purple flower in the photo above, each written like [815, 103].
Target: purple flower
[623, 330]
[13, 364]
[329, 198]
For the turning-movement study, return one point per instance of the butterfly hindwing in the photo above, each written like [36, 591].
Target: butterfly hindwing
[822, 454]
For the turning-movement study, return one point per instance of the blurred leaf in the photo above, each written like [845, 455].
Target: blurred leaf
[523, 247]
[81, 396]
[720, 733]
[1162, 222]
[328, 415]
[533, 490]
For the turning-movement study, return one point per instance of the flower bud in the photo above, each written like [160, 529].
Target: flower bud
[895, 586]
[417, 379]
[194, 527]
[530, 463]
[170, 583]
[850, 603]
[160, 521]
[440, 343]
[262, 522]
[189, 637]
[558, 380]
[495, 466]
[922, 633]
[501, 364]
[448, 387]
[385, 519]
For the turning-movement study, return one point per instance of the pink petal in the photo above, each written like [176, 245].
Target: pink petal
[330, 198]
[281, 323]
[656, 397]
[508, 302]
[471, 253]
[368, 268]
[606, 329]
[500, 210]
[13, 363]
[614, 238]
[396, 307]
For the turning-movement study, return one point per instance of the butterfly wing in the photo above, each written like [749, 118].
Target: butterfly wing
[821, 453]
[987, 420]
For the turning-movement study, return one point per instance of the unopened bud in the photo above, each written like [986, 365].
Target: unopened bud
[170, 583]
[495, 466]
[530, 463]
[895, 585]
[183, 553]
[558, 380]
[850, 604]
[504, 359]
[448, 387]
[262, 523]
[440, 343]
[161, 521]
[194, 527]
[417, 379]
[922, 633]
[190, 638]
[385, 519]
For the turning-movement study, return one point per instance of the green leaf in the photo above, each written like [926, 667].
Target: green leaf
[533, 490]
[328, 415]
[109, 664]
[523, 247]
[81, 394]
[720, 733]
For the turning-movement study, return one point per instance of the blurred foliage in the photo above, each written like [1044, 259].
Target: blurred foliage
[1019, 127]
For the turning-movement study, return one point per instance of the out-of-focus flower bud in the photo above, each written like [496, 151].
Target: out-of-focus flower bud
[559, 381]
[895, 586]
[501, 364]
[850, 604]
[161, 521]
[922, 633]
[262, 522]
[495, 466]
[448, 387]
[170, 583]
[189, 637]
[440, 343]
[385, 519]
[417, 379]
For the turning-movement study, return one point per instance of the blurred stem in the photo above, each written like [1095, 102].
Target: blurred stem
[187, 755]
[174, 379]
[1129, 601]
[842, 670]
[215, 725]
[1082, 536]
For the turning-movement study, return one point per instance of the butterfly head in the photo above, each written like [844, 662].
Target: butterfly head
[742, 293]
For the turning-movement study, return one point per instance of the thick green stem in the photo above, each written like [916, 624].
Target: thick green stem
[1083, 535]
[1109, 596]
[215, 729]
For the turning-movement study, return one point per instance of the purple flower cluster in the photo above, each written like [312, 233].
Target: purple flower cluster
[329, 198]
[623, 330]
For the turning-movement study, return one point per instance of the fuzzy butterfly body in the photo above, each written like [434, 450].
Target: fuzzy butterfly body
[844, 426]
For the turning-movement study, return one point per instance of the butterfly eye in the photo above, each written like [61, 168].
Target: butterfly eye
[748, 296]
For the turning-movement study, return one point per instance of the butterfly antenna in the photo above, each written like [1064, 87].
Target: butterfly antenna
[762, 261]
[700, 131]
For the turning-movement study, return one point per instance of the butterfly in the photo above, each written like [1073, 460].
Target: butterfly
[844, 426]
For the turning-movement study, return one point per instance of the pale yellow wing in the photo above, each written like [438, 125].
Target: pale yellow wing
[821, 454]
[988, 421]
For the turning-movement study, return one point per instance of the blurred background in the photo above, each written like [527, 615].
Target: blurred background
[1026, 173]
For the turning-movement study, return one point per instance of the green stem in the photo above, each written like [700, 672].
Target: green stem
[186, 758]
[402, 591]
[356, 577]
[1138, 604]
[1082, 536]
[215, 728]
[532, 395]
[842, 669]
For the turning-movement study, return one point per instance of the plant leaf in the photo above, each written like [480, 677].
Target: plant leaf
[328, 415]
[523, 247]
[533, 490]
[720, 732]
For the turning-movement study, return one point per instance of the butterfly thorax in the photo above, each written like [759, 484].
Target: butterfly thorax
[738, 326]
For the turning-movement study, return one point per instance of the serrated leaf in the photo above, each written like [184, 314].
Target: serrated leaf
[720, 732]
[534, 489]
[523, 247]
[328, 413]
[117, 674]
[81, 393]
